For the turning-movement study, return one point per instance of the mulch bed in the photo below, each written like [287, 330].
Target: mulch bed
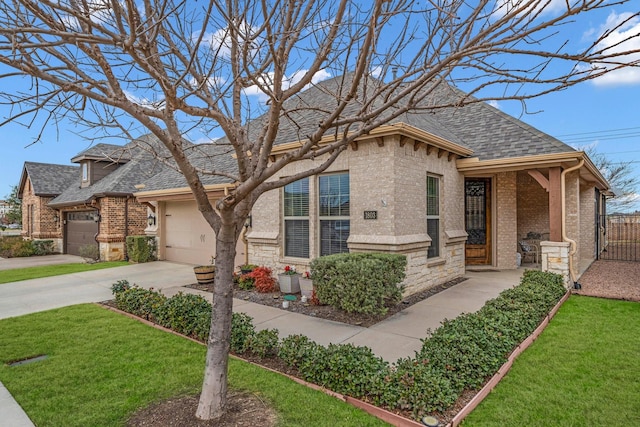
[274, 299]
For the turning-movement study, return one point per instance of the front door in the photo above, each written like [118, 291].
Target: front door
[477, 204]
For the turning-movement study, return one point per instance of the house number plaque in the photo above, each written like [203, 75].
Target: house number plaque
[370, 214]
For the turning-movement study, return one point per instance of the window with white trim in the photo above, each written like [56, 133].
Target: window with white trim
[333, 212]
[433, 215]
[85, 171]
[296, 219]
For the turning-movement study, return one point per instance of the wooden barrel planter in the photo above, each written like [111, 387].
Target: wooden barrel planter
[205, 274]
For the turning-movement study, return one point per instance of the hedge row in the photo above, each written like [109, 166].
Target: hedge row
[459, 355]
[16, 246]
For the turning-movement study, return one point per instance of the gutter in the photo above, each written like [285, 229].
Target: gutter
[573, 245]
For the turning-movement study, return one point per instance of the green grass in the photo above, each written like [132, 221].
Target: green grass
[584, 370]
[103, 366]
[18, 274]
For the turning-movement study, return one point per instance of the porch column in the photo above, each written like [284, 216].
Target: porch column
[555, 205]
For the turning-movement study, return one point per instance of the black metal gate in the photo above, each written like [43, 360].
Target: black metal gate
[622, 238]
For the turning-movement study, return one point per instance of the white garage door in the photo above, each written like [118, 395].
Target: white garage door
[188, 237]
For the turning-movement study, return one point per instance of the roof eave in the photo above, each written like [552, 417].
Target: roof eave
[214, 191]
[401, 128]
[474, 165]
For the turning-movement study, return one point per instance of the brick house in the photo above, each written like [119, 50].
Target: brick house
[93, 206]
[39, 184]
[452, 189]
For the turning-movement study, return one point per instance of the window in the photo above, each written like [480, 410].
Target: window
[85, 171]
[433, 215]
[296, 219]
[333, 205]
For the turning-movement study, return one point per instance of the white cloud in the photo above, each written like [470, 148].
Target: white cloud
[376, 71]
[624, 38]
[494, 104]
[144, 102]
[294, 78]
[503, 7]
[220, 41]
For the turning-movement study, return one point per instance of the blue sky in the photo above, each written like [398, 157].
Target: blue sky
[602, 113]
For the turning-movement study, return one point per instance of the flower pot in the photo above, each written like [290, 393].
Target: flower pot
[205, 274]
[289, 283]
[306, 286]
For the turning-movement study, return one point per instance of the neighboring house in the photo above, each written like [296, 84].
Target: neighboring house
[93, 206]
[39, 184]
[449, 188]
[4, 208]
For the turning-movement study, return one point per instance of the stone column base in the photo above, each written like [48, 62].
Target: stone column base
[555, 259]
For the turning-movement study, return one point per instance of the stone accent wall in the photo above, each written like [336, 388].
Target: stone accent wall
[506, 220]
[117, 222]
[388, 177]
[43, 226]
[555, 259]
[533, 206]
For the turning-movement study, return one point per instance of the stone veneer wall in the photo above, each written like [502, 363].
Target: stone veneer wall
[573, 211]
[555, 259]
[506, 220]
[114, 226]
[389, 178]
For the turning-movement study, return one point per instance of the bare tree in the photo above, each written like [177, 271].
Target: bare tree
[170, 66]
[621, 178]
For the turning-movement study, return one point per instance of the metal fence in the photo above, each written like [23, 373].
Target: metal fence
[622, 238]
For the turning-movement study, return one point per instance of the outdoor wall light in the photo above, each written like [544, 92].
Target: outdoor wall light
[96, 216]
[247, 222]
[56, 218]
[151, 220]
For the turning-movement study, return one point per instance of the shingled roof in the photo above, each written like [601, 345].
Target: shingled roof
[103, 152]
[486, 130]
[143, 164]
[48, 180]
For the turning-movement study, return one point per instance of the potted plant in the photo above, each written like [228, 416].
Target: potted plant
[288, 281]
[205, 274]
[306, 284]
[247, 268]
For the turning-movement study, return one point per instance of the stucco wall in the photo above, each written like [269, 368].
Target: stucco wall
[388, 178]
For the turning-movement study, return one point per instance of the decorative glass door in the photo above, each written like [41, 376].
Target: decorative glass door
[477, 204]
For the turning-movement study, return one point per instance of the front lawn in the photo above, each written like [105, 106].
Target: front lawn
[101, 367]
[584, 370]
[18, 274]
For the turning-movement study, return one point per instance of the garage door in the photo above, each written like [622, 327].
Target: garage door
[188, 237]
[81, 230]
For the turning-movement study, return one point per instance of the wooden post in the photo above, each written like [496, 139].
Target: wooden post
[555, 205]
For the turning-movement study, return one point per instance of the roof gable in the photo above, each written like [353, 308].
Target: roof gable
[48, 179]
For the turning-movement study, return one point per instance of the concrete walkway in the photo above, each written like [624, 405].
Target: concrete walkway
[398, 336]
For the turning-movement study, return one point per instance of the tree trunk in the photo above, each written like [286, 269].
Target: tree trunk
[213, 398]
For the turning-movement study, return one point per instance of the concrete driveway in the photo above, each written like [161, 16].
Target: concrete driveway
[29, 296]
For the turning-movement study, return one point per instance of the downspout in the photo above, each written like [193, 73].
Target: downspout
[126, 227]
[572, 243]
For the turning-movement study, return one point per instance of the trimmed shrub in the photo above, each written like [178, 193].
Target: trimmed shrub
[186, 314]
[140, 302]
[264, 343]
[42, 247]
[120, 286]
[15, 246]
[242, 332]
[359, 282]
[141, 248]
[246, 282]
